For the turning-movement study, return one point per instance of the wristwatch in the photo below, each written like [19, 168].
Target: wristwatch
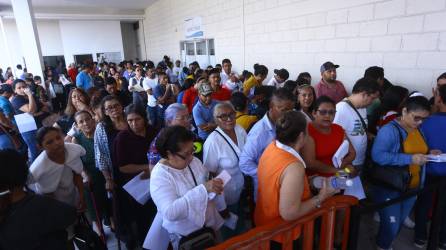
[318, 201]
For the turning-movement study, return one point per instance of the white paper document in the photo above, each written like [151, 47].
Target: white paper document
[25, 122]
[225, 177]
[64, 80]
[340, 154]
[139, 189]
[355, 189]
[437, 158]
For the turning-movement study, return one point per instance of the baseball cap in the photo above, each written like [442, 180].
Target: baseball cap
[328, 66]
[5, 88]
[282, 73]
[205, 89]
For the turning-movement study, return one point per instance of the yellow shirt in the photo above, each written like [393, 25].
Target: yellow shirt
[245, 121]
[415, 144]
[248, 84]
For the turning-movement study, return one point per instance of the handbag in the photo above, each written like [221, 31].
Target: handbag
[202, 238]
[85, 238]
[393, 177]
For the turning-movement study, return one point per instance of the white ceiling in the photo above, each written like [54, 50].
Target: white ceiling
[82, 4]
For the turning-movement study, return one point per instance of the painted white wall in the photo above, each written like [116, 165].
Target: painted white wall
[406, 37]
[50, 38]
[15, 48]
[66, 38]
[90, 37]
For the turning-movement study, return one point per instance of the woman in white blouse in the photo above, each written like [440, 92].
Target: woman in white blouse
[57, 170]
[222, 150]
[180, 188]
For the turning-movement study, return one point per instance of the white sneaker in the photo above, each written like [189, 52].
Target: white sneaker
[376, 217]
[408, 222]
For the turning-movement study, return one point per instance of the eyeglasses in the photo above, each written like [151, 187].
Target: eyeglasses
[227, 117]
[114, 106]
[326, 112]
[183, 118]
[417, 118]
[184, 157]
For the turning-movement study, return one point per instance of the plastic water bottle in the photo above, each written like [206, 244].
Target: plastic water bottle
[334, 181]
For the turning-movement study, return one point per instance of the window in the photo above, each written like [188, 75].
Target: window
[83, 59]
[211, 47]
[201, 48]
[54, 61]
[190, 49]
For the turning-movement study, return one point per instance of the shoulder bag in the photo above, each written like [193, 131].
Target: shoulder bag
[233, 150]
[393, 177]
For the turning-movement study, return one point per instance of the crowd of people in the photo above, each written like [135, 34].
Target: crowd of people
[224, 151]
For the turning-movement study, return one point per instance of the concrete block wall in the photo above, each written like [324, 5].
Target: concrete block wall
[406, 37]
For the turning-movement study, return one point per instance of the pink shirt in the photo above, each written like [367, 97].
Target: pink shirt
[335, 91]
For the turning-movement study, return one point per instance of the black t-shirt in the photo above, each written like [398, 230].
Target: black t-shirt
[36, 222]
[17, 102]
[123, 98]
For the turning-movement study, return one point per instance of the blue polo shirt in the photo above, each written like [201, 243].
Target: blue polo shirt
[202, 115]
[84, 81]
[433, 131]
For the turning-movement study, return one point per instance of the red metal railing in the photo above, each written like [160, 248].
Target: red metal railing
[260, 237]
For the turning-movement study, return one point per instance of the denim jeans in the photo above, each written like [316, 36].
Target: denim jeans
[424, 204]
[153, 115]
[391, 217]
[30, 140]
[5, 142]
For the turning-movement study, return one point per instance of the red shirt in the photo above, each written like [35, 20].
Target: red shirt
[189, 98]
[335, 91]
[326, 145]
[72, 73]
[223, 94]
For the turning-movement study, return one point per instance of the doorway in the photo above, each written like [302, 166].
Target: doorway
[202, 51]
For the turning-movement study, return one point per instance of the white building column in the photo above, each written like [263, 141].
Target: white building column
[5, 41]
[29, 38]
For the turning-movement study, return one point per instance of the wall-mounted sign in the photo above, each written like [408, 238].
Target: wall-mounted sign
[193, 28]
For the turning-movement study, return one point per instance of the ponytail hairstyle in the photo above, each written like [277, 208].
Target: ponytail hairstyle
[260, 70]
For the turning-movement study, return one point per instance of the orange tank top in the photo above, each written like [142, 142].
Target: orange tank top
[415, 144]
[326, 145]
[272, 163]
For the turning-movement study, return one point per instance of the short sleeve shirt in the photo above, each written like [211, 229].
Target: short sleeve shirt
[349, 120]
[336, 92]
[17, 102]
